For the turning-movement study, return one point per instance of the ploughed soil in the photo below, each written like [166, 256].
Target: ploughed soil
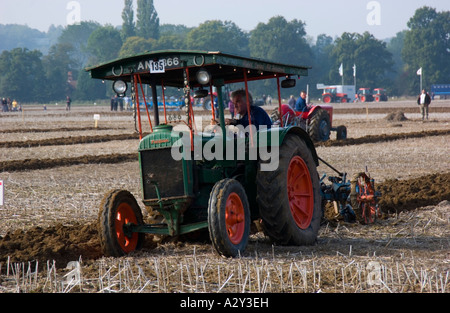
[64, 243]
[413, 229]
[35, 164]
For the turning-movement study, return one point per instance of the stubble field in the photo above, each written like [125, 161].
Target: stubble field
[56, 167]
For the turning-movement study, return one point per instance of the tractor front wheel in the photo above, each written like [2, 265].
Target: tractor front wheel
[327, 99]
[289, 198]
[118, 210]
[229, 218]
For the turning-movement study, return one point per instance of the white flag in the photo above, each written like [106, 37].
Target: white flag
[341, 70]
[354, 70]
[419, 71]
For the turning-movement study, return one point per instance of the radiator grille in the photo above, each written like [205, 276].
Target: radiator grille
[158, 165]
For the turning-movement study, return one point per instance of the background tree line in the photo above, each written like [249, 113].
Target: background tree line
[33, 75]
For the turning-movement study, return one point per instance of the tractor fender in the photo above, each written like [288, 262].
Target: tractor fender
[307, 114]
[327, 108]
[314, 109]
[265, 138]
[298, 131]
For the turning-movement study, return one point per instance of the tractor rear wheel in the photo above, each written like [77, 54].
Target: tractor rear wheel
[229, 218]
[289, 197]
[118, 209]
[319, 125]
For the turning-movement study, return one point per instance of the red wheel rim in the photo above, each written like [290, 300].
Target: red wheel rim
[327, 99]
[300, 192]
[234, 218]
[125, 215]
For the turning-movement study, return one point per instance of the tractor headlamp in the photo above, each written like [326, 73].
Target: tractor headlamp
[120, 87]
[203, 77]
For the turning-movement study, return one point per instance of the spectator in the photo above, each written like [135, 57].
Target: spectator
[424, 101]
[112, 103]
[15, 106]
[231, 108]
[116, 102]
[68, 103]
[121, 104]
[291, 102]
[4, 105]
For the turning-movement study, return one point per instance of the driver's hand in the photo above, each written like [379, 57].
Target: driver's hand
[230, 121]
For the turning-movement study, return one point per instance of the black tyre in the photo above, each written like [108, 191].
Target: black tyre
[320, 126]
[229, 218]
[117, 209]
[289, 198]
[207, 104]
[341, 133]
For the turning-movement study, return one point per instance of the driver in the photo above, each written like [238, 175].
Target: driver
[301, 106]
[258, 115]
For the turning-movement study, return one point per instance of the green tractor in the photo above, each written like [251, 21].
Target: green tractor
[219, 180]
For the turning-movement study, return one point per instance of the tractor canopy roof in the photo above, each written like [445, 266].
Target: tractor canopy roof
[167, 67]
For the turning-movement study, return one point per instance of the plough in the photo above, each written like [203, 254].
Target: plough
[354, 199]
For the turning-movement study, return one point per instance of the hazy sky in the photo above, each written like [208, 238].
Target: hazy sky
[382, 18]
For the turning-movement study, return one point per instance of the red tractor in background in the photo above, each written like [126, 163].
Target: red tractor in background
[316, 121]
[332, 95]
[380, 94]
[365, 95]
